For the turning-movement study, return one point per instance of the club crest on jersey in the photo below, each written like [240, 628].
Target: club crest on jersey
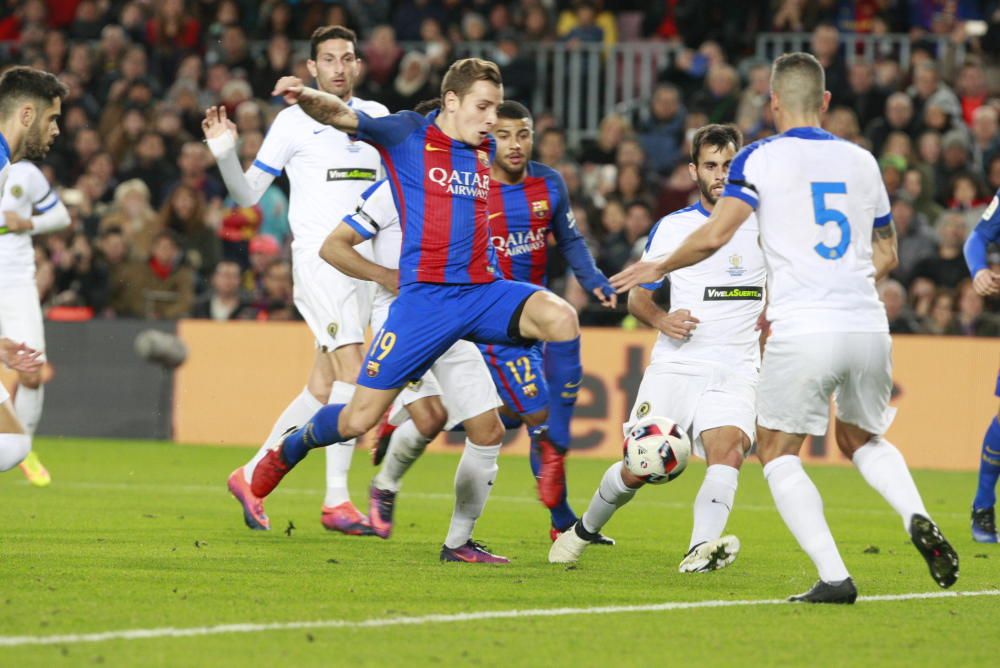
[332, 329]
[530, 390]
[540, 208]
[736, 267]
[16, 191]
[643, 409]
[461, 183]
[372, 369]
[484, 158]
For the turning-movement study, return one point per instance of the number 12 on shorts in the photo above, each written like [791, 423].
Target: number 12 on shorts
[825, 214]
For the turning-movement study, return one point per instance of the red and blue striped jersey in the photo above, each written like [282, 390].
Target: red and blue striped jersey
[440, 186]
[522, 216]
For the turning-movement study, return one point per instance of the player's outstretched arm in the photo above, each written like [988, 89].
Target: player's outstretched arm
[338, 251]
[885, 254]
[677, 324]
[19, 356]
[323, 107]
[246, 188]
[727, 216]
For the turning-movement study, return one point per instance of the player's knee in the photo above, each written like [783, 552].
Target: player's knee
[537, 418]
[355, 424]
[729, 454]
[563, 322]
[485, 432]
[31, 380]
[431, 420]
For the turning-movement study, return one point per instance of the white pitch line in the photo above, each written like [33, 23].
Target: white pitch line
[171, 632]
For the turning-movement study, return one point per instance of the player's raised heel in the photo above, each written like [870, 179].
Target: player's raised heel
[570, 544]
[253, 507]
[346, 519]
[35, 471]
[271, 469]
[711, 555]
[381, 504]
[552, 479]
[940, 556]
[984, 526]
[843, 592]
[472, 552]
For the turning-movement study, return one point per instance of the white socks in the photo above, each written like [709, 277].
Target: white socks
[296, 413]
[714, 503]
[13, 449]
[884, 468]
[405, 445]
[28, 407]
[338, 457]
[801, 508]
[611, 495]
[474, 480]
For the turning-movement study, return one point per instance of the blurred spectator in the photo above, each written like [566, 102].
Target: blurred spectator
[160, 288]
[901, 319]
[551, 146]
[928, 90]
[381, 54]
[184, 213]
[277, 62]
[133, 217]
[517, 68]
[954, 161]
[917, 241]
[152, 166]
[826, 47]
[224, 300]
[947, 269]
[985, 137]
[662, 133]
[899, 117]
[580, 27]
[78, 279]
[274, 300]
[193, 164]
[613, 129]
[755, 98]
[915, 190]
[972, 89]
[843, 122]
[864, 97]
[941, 319]
[412, 83]
[720, 96]
[262, 250]
[971, 319]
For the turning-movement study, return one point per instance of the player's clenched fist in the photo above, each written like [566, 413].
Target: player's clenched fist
[986, 283]
[216, 124]
[289, 88]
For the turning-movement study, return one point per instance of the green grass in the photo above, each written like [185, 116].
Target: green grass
[138, 535]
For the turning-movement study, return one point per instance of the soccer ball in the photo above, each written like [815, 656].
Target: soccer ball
[656, 450]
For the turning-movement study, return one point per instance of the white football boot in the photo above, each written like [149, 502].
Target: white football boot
[710, 555]
[568, 547]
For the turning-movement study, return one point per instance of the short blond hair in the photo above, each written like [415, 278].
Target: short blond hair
[799, 81]
[463, 74]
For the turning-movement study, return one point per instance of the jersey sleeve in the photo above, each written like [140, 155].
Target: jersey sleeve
[743, 174]
[883, 209]
[277, 148]
[43, 197]
[376, 211]
[663, 240]
[387, 131]
[987, 231]
[571, 243]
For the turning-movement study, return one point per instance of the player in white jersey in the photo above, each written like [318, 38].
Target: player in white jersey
[30, 206]
[459, 376]
[703, 369]
[827, 236]
[327, 172]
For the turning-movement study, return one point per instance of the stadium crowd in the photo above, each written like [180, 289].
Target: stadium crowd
[154, 234]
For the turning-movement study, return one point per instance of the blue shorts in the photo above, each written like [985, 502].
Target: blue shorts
[428, 318]
[519, 375]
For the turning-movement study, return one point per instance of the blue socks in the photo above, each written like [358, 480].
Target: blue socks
[563, 516]
[564, 373]
[319, 431]
[989, 468]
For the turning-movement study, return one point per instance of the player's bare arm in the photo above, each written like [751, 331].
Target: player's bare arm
[727, 216]
[885, 254]
[338, 250]
[323, 107]
[19, 357]
[677, 324]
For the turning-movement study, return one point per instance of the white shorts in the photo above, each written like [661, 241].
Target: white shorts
[462, 380]
[21, 315]
[800, 373]
[698, 396]
[336, 307]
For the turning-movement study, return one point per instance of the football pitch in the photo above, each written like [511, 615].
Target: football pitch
[137, 556]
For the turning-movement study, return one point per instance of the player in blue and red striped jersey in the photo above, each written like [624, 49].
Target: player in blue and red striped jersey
[527, 202]
[439, 170]
[986, 282]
